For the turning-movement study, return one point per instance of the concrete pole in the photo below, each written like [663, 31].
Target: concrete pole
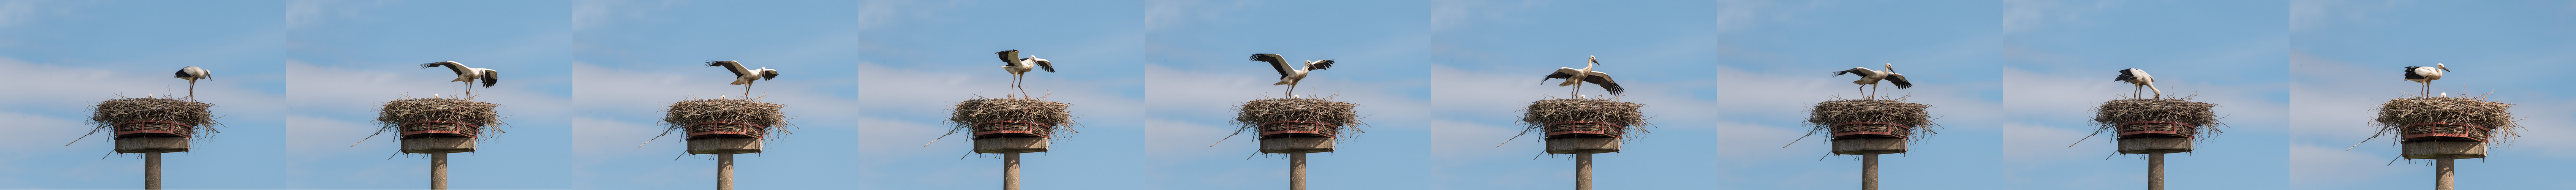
[724, 171]
[2442, 174]
[2156, 171]
[1869, 172]
[1583, 171]
[1297, 171]
[1010, 171]
[153, 171]
[438, 171]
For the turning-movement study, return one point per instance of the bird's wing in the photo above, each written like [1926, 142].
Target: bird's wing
[1276, 63]
[1320, 65]
[183, 73]
[491, 77]
[736, 67]
[1009, 57]
[2125, 75]
[1603, 79]
[766, 74]
[1044, 64]
[1558, 74]
[2410, 74]
[1854, 71]
[1899, 79]
[451, 66]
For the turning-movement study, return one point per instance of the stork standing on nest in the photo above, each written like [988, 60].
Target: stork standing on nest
[2139, 79]
[745, 75]
[1870, 78]
[468, 75]
[1576, 77]
[1288, 75]
[1011, 62]
[192, 74]
[2426, 75]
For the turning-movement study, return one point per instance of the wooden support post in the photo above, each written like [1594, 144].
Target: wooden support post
[1010, 171]
[438, 171]
[2442, 174]
[1869, 172]
[724, 171]
[1583, 171]
[1297, 171]
[153, 171]
[2156, 171]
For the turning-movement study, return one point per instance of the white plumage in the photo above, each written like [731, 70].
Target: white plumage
[744, 75]
[468, 75]
[192, 74]
[2139, 79]
[1576, 77]
[1870, 78]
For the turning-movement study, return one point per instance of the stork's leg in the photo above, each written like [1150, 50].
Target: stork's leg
[192, 90]
[1578, 91]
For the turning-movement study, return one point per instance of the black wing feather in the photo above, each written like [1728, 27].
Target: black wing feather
[730, 66]
[459, 69]
[1049, 66]
[2410, 74]
[1607, 84]
[183, 73]
[1899, 79]
[2125, 75]
[1276, 63]
[1009, 57]
[491, 77]
[768, 74]
[1320, 65]
[1554, 75]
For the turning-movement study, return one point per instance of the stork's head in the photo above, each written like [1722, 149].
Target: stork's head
[1891, 67]
[1596, 60]
[2443, 68]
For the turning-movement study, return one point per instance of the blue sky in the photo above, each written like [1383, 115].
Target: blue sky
[1154, 82]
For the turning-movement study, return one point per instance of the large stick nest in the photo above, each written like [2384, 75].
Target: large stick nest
[681, 114]
[971, 112]
[1823, 117]
[2397, 113]
[1342, 120]
[113, 111]
[397, 112]
[2111, 114]
[1631, 123]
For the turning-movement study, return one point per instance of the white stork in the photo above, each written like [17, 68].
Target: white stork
[2426, 75]
[468, 75]
[1576, 77]
[1870, 78]
[192, 74]
[745, 75]
[1011, 62]
[2139, 79]
[1288, 75]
